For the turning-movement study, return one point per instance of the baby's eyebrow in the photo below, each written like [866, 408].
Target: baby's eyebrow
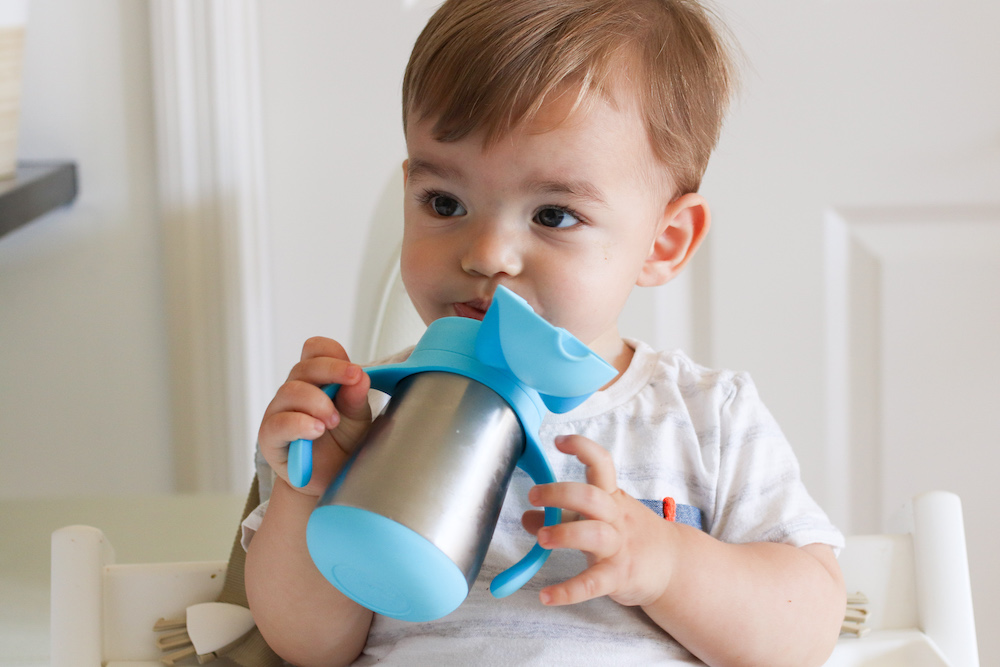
[577, 189]
[417, 168]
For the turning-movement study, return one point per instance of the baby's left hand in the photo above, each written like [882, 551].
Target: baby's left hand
[629, 549]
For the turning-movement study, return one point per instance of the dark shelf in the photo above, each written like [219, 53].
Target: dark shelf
[38, 188]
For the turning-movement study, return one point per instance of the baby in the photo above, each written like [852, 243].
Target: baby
[556, 148]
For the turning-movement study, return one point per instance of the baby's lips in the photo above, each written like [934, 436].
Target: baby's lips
[471, 309]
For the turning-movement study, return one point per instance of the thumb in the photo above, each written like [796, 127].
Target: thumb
[355, 412]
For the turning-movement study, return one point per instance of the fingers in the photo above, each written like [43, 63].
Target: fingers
[318, 346]
[600, 466]
[323, 362]
[594, 582]
[593, 533]
[303, 395]
[622, 539]
[584, 499]
[302, 410]
[599, 539]
[592, 500]
[305, 398]
[323, 370]
[284, 427]
[532, 520]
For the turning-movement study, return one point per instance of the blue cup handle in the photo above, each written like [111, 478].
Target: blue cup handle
[300, 462]
[300, 453]
[513, 578]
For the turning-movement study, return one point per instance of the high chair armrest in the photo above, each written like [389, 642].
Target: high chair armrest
[104, 613]
[79, 556]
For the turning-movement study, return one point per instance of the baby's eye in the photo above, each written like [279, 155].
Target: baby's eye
[553, 216]
[446, 207]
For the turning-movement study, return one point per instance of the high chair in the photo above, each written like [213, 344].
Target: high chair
[919, 597]
[918, 611]
[916, 582]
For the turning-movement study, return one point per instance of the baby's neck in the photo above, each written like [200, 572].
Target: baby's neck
[620, 359]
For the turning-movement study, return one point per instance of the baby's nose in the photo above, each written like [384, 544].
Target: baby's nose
[493, 250]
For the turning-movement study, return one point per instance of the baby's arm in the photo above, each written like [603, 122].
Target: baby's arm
[729, 604]
[299, 613]
[748, 604]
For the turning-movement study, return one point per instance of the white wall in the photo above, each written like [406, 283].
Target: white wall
[83, 356]
[846, 104]
[331, 78]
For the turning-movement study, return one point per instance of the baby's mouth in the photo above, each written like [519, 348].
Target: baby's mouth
[475, 310]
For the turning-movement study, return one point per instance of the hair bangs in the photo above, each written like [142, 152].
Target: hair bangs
[489, 66]
[487, 74]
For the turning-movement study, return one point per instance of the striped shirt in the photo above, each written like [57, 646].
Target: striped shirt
[674, 429]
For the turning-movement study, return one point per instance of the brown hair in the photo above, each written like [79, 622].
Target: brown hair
[490, 65]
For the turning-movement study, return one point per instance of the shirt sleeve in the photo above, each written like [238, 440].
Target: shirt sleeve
[760, 494]
[251, 524]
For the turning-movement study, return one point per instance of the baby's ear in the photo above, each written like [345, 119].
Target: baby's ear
[683, 227]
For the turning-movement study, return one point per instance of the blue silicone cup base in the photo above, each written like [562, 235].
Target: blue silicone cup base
[383, 565]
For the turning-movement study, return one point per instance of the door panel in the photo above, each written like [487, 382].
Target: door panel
[914, 362]
[886, 113]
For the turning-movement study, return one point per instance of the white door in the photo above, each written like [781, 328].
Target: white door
[855, 263]
[858, 120]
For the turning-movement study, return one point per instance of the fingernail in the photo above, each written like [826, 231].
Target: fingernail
[353, 372]
[543, 535]
[533, 495]
[545, 597]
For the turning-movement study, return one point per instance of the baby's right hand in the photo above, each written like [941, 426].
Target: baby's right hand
[300, 409]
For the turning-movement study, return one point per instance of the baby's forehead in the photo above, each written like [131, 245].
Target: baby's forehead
[572, 136]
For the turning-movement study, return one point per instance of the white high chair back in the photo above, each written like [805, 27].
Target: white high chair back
[385, 321]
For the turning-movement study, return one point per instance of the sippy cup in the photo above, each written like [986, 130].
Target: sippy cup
[405, 526]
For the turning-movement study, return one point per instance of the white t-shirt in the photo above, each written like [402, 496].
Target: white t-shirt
[674, 429]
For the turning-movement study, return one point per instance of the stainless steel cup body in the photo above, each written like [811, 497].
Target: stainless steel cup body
[438, 460]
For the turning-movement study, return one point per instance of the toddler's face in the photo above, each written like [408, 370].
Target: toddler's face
[562, 213]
